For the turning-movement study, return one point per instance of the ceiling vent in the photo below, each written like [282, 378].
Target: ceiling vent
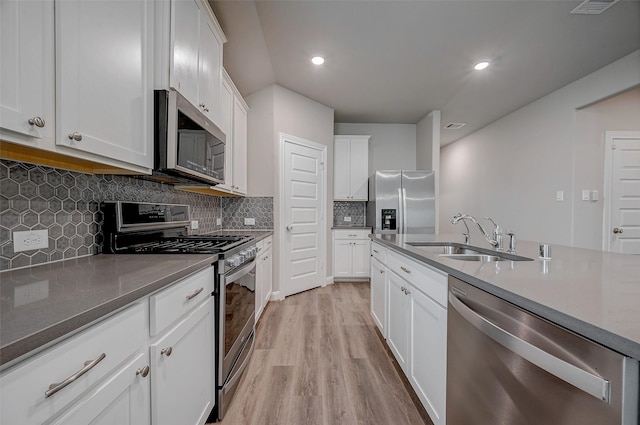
[454, 125]
[593, 7]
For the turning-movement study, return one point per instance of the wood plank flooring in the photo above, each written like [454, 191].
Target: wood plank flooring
[318, 360]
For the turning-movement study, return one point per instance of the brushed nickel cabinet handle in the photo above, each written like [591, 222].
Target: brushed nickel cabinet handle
[75, 136]
[375, 251]
[404, 269]
[195, 294]
[88, 365]
[617, 230]
[37, 121]
[166, 351]
[143, 371]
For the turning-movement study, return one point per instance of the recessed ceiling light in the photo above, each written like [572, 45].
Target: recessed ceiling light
[317, 60]
[481, 65]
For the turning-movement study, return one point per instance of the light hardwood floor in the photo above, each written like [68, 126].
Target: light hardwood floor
[319, 360]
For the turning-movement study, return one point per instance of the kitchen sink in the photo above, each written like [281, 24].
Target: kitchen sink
[458, 251]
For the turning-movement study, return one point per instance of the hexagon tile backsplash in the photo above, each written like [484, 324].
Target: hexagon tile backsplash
[66, 203]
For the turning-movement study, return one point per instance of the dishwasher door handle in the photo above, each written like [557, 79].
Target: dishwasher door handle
[589, 383]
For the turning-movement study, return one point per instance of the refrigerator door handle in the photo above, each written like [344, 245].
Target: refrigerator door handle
[404, 210]
[400, 212]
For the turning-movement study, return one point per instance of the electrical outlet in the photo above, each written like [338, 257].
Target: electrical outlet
[194, 224]
[30, 240]
[249, 221]
[218, 222]
[347, 219]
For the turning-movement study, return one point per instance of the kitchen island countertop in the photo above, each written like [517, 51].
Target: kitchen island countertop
[593, 293]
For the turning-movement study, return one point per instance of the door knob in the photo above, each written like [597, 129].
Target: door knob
[290, 227]
[617, 230]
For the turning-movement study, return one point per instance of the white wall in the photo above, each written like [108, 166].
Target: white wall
[276, 110]
[620, 113]
[511, 169]
[391, 147]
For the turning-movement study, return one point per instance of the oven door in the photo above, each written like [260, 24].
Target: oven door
[237, 316]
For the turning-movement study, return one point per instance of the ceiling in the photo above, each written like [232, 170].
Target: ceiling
[395, 61]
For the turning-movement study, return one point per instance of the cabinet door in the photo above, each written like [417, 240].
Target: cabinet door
[26, 67]
[185, 43]
[342, 258]
[239, 147]
[361, 257]
[398, 319]
[104, 78]
[359, 169]
[260, 277]
[226, 125]
[428, 359]
[268, 278]
[379, 296]
[341, 152]
[182, 371]
[209, 68]
[122, 399]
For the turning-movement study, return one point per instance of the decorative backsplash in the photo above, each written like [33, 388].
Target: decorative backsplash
[66, 203]
[355, 210]
[235, 210]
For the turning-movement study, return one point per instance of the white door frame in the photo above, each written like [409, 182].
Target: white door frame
[282, 231]
[609, 137]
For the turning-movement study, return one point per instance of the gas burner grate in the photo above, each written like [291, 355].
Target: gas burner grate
[190, 244]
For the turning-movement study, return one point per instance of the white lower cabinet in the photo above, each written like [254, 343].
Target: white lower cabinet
[123, 399]
[115, 373]
[379, 295]
[351, 253]
[398, 320]
[264, 275]
[417, 327]
[182, 365]
[428, 353]
[108, 354]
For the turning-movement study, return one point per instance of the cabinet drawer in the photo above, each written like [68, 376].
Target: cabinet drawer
[264, 244]
[430, 281]
[379, 252]
[351, 234]
[22, 389]
[170, 304]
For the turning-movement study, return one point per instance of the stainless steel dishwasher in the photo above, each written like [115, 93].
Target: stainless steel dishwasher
[506, 366]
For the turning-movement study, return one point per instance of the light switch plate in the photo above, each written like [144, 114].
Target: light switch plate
[194, 224]
[218, 222]
[560, 195]
[30, 240]
[249, 221]
[586, 194]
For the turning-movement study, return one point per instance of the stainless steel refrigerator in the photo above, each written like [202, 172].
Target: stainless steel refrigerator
[402, 202]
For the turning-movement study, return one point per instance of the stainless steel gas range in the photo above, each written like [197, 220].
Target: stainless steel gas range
[139, 228]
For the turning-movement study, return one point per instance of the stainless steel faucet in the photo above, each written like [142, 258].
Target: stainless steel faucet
[495, 241]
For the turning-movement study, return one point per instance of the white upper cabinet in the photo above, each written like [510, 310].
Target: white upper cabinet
[195, 69]
[26, 70]
[104, 78]
[233, 122]
[351, 168]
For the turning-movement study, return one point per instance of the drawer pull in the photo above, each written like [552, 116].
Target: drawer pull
[195, 294]
[375, 251]
[166, 351]
[381, 271]
[88, 365]
[353, 236]
[404, 269]
[143, 371]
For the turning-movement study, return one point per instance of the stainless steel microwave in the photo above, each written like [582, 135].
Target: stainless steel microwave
[188, 147]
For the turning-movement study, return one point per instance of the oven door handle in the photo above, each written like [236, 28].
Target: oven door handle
[243, 271]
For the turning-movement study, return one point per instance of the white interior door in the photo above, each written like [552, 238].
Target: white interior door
[303, 215]
[622, 192]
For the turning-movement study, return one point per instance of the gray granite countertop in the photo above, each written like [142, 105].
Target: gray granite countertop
[41, 304]
[593, 293]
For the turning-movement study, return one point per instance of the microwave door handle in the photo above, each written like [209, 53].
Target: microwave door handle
[589, 383]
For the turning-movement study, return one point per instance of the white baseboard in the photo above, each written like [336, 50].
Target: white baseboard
[276, 296]
[328, 281]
